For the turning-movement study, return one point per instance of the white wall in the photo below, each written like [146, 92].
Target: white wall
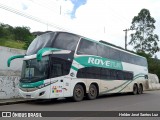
[9, 76]
[153, 81]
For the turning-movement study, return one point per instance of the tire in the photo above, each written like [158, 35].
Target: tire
[135, 89]
[93, 92]
[78, 93]
[140, 89]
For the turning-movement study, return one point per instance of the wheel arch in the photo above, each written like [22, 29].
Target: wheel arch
[136, 84]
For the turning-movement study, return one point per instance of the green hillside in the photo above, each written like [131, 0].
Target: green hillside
[15, 37]
[12, 43]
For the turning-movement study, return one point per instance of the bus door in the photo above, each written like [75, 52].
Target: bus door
[60, 87]
[59, 70]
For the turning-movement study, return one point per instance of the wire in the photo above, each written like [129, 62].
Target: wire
[124, 19]
[2, 6]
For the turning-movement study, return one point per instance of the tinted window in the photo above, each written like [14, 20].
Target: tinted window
[66, 41]
[108, 52]
[114, 54]
[128, 75]
[59, 67]
[120, 75]
[44, 40]
[89, 72]
[124, 56]
[133, 59]
[87, 47]
[104, 73]
[111, 53]
[143, 61]
[103, 51]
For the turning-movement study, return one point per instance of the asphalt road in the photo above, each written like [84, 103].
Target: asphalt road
[148, 101]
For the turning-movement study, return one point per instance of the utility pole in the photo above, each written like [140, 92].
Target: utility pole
[126, 30]
[60, 10]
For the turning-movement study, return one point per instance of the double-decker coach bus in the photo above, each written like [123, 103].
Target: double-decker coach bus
[62, 64]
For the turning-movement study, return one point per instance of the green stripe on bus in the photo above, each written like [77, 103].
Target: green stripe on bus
[31, 85]
[128, 82]
[139, 74]
[74, 68]
[139, 77]
[43, 50]
[115, 87]
[132, 81]
[96, 61]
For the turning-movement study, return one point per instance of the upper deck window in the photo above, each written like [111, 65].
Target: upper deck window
[42, 41]
[60, 40]
[66, 41]
[87, 47]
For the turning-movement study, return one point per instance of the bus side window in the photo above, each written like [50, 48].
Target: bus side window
[56, 70]
[120, 75]
[60, 67]
[87, 47]
[66, 41]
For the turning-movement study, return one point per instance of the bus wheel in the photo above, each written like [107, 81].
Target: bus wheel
[78, 93]
[92, 92]
[135, 89]
[140, 89]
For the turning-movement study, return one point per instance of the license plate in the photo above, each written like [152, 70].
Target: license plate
[28, 96]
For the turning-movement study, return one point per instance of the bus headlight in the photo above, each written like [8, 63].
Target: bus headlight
[41, 86]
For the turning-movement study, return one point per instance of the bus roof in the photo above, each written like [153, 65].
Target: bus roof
[100, 42]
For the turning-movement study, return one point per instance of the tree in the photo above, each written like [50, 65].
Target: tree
[28, 41]
[144, 40]
[6, 31]
[153, 64]
[22, 33]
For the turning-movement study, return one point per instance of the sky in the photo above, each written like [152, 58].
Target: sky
[95, 19]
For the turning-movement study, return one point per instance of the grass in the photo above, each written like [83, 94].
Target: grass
[11, 43]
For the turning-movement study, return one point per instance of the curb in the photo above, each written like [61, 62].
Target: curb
[15, 102]
[152, 89]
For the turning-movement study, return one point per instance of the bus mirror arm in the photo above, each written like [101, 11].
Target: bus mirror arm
[12, 58]
[43, 50]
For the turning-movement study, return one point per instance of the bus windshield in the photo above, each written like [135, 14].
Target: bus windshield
[60, 40]
[34, 70]
[45, 40]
